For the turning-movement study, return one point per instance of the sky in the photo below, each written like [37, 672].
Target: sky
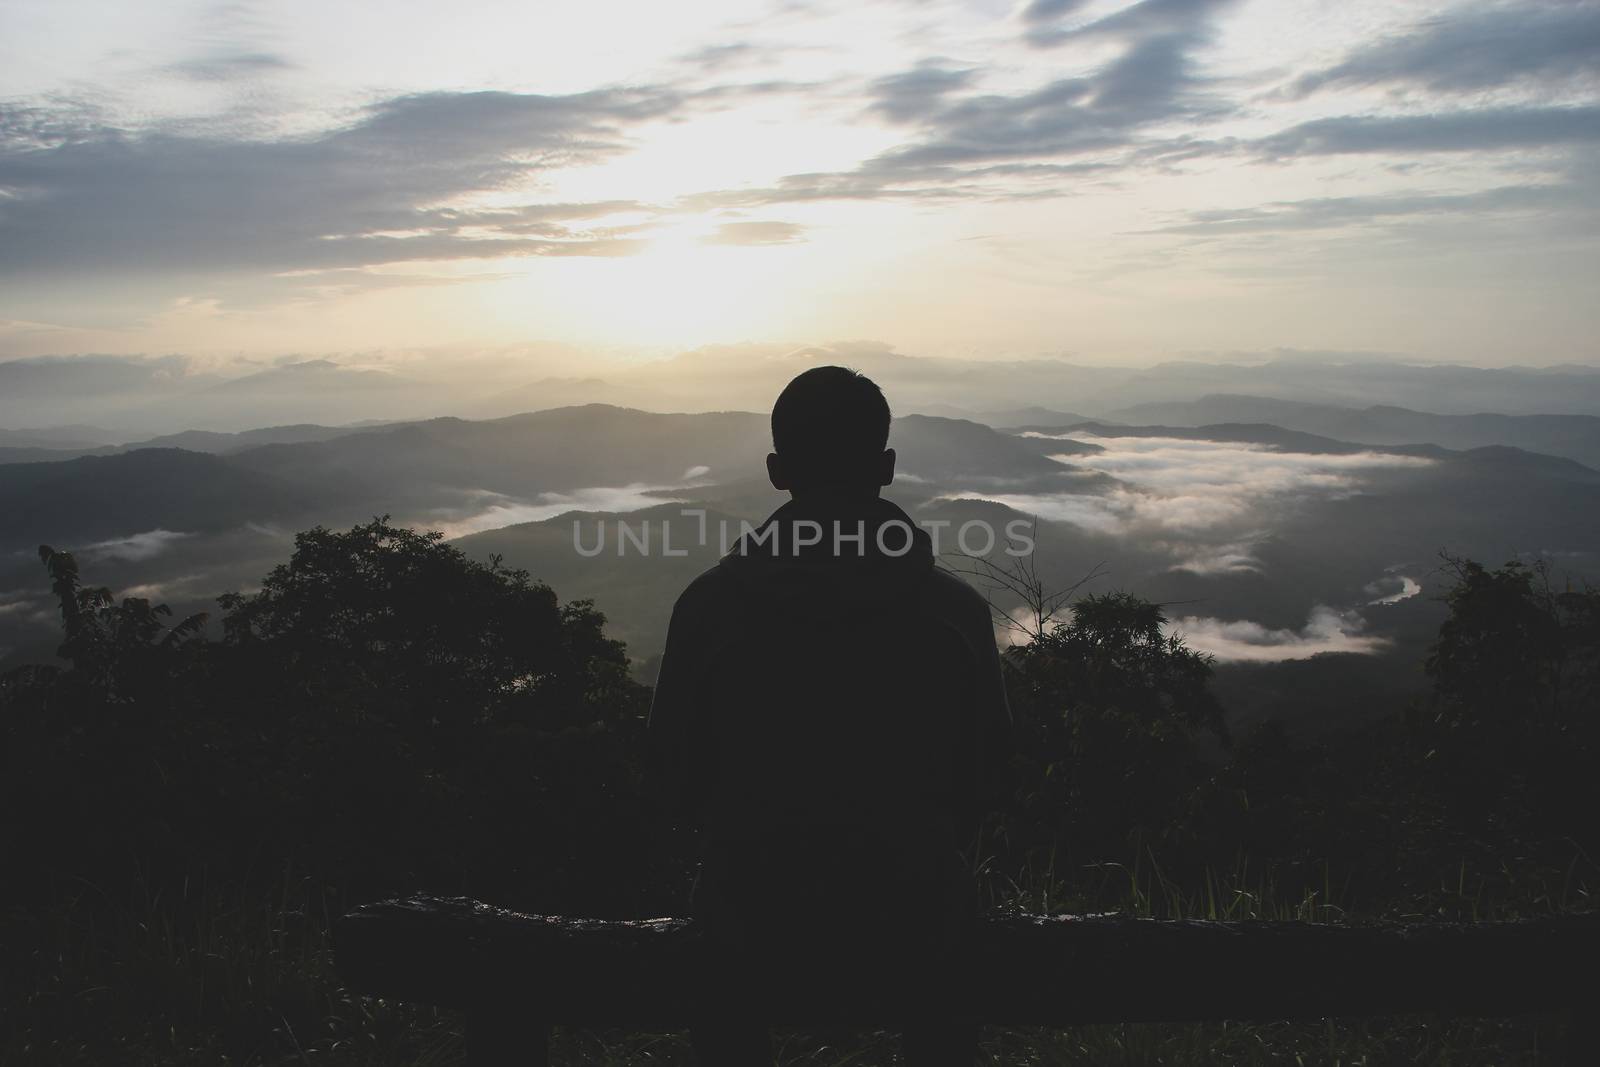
[1097, 180]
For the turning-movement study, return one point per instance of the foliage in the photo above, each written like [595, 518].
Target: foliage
[104, 640]
[94, 754]
[385, 711]
[1512, 731]
[1111, 715]
[438, 720]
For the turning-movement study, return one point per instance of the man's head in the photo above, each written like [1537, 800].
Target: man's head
[830, 433]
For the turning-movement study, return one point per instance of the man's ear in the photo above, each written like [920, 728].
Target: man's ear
[775, 473]
[886, 467]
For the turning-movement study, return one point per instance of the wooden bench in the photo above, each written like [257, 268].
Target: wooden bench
[516, 974]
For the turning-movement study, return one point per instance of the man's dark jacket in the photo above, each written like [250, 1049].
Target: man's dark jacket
[832, 716]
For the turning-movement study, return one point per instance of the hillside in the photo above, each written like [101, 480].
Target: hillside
[221, 443]
[94, 498]
[522, 455]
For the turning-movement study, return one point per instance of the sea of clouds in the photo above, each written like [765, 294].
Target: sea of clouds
[1206, 504]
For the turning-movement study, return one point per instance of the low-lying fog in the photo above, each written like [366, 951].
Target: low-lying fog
[1206, 505]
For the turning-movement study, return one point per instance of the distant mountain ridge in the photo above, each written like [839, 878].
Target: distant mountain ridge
[155, 395]
[1573, 436]
[1010, 418]
[221, 443]
[214, 442]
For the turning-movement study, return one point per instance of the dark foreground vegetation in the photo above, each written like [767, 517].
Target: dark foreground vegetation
[183, 815]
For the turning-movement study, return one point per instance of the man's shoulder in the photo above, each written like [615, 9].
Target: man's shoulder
[710, 588]
[950, 592]
[706, 616]
[948, 599]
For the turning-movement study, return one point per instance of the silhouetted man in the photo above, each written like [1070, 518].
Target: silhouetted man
[830, 713]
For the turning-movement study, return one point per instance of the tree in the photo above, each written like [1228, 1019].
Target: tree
[383, 713]
[1111, 714]
[92, 755]
[439, 721]
[381, 620]
[105, 640]
[1512, 723]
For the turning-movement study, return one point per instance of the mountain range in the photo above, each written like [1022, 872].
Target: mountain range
[1574, 436]
[136, 398]
[1270, 545]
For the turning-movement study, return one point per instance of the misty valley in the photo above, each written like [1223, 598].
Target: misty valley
[1308, 564]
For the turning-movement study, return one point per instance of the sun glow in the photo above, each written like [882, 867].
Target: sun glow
[680, 288]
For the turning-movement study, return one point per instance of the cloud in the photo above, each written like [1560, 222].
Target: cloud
[970, 144]
[1393, 588]
[1185, 19]
[1096, 514]
[18, 603]
[1144, 107]
[1150, 82]
[1475, 130]
[1038, 11]
[1332, 212]
[1231, 558]
[724, 55]
[228, 41]
[1230, 468]
[135, 549]
[81, 197]
[505, 511]
[229, 66]
[1475, 49]
[1071, 97]
[1123, 510]
[917, 93]
[188, 586]
[757, 233]
[1203, 502]
[716, 56]
[68, 376]
[1243, 641]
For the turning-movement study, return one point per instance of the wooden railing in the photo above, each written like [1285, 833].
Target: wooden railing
[517, 974]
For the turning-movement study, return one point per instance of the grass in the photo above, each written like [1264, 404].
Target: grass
[1523, 888]
[202, 977]
[209, 977]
